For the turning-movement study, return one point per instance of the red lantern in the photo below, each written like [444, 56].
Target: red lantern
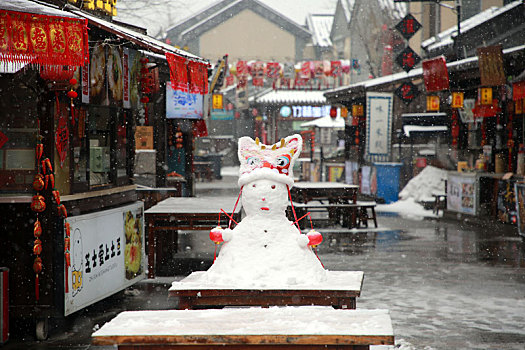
[333, 112]
[72, 81]
[38, 204]
[216, 234]
[144, 99]
[314, 238]
[72, 94]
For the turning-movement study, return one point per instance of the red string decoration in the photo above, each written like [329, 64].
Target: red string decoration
[44, 40]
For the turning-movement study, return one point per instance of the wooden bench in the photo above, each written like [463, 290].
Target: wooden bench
[362, 213]
[203, 170]
[339, 291]
[344, 214]
[305, 327]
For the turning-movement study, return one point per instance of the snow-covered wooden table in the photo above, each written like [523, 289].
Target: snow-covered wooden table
[339, 290]
[306, 327]
[185, 213]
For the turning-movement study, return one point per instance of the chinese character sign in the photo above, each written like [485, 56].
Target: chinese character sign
[378, 125]
[408, 26]
[407, 92]
[408, 59]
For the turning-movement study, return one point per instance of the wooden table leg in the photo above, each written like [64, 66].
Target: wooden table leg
[151, 249]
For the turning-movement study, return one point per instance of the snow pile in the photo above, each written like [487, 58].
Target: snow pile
[420, 188]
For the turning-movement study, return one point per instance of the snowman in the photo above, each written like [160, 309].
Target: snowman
[266, 248]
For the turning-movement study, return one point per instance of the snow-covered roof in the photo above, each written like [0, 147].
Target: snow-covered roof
[320, 26]
[291, 96]
[140, 39]
[397, 10]
[348, 6]
[325, 122]
[412, 73]
[446, 37]
[407, 129]
[35, 7]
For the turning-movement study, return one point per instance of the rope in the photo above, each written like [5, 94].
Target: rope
[293, 209]
[235, 207]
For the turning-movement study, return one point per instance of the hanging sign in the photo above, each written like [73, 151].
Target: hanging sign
[485, 96]
[107, 254]
[180, 104]
[408, 59]
[435, 74]
[457, 99]
[408, 26]
[492, 72]
[378, 125]
[482, 111]
[344, 112]
[433, 103]
[466, 114]
[336, 68]
[273, 70]
[217, 101]
[62, 139]
[358, 111]
[407, 92]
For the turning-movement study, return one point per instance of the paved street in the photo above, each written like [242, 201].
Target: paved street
[448, 285]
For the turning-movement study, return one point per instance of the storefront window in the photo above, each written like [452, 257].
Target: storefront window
[18, 131]
[99, 146]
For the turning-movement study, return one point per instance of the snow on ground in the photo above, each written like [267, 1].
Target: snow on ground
[420, 188]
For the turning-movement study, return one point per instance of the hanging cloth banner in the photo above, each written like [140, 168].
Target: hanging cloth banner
[435, 74]
[198, 77]
[178, 72]
[44, 40]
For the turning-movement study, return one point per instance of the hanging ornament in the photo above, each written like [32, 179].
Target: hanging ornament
[38, 182]
[178, 138]
[38, 203]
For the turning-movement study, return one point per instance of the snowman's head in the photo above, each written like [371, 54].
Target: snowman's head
[274, 162]
[264, 197]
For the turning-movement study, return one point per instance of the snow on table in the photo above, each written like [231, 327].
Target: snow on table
[275, 324]
[336, 281]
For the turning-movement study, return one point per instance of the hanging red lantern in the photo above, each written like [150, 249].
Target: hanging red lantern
[333, 112]
[314, 238]
[216, 234]
[38, 182]
[72, 94]
[38, 204]
[144, 99]
[72, 82]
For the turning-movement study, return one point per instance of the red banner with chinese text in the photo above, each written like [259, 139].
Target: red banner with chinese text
[45, 40]
[178, 72]
[435, 74]
[518, 90]
[198, 77]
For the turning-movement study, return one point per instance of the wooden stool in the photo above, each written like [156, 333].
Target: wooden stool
[362, 213]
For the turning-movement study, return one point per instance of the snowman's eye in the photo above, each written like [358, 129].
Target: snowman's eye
[253, 160]
[254, 185]
[273, 187]
[282, 161]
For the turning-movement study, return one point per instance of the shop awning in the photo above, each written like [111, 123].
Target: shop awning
[139, 39]
[411, 130]
[424, 119]
[36, 33]
[291, 97]
[325, 122]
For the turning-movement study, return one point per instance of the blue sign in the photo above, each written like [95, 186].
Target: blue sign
[180, 104]
[285, 111]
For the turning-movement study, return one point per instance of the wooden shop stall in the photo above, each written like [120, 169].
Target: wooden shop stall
[73, 89]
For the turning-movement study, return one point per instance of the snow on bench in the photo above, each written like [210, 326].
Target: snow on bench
[339, 290]
[281, 327]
